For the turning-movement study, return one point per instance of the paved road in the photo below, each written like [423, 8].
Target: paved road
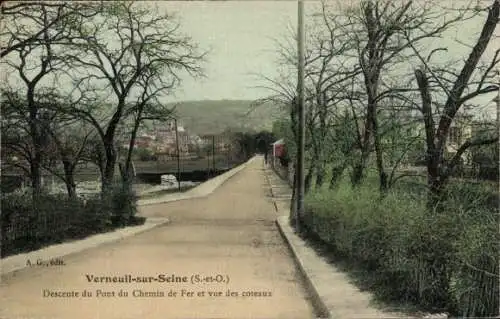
[230, 232]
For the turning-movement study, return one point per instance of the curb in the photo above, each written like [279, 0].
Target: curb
[202, 190]
[273, 196]
[292, 241]
[18, 262]
[320, 279]
[311, 266]
[290, 238]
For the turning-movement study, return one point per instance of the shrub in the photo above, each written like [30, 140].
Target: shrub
[122, 204]
[57, 218]
[390, 238]
[475, 281]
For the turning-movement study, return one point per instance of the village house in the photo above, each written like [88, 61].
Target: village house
[146, 141]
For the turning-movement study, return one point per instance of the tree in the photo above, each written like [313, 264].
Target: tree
[62, 138]
[263, 141]
[124, 50]
[33, 34]
[17, 151]
[146, 108]
[459, 90]
[378, 32]
[68, 139]
[29, 24]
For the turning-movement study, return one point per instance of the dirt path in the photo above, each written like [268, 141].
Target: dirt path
[230, 233]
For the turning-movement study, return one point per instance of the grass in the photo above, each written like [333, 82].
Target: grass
[57, 219]
[380, 243]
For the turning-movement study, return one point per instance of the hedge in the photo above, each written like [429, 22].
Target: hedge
[57, 218]
[386, 237]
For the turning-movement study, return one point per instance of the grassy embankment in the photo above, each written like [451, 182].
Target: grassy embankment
[379, 240]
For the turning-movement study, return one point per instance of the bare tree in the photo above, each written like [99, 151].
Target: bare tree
[325, 77]
[63, 139]
[28, 24]
[147, 108]
[378, 33]
[17, 151]
[458, 87]
[32, 33]
[462, 88]
[119, 47]
[68, 140]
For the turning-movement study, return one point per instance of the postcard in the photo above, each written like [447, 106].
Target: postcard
[249, 159]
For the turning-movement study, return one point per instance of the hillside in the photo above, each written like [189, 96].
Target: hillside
[211, 117]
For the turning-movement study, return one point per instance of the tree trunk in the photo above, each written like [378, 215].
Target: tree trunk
[357, 173]
[323, 115]
[35, 132]
[126, 175]
[109, 167]
[36, 178]
[383, 185]
[337, 172]
[69, 179]
[359, 168]
[312, 169]
[308, 180]
[437, 194]
[320, 175]
[383, 178]
[126, 170]
[293, 203]
[433, 250]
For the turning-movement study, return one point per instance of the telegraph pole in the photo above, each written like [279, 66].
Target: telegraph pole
[498, 124]
[302, 123]
[178, 156]
[497, 100]
[213, 154]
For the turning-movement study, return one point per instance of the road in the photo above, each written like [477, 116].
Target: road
[230, 233]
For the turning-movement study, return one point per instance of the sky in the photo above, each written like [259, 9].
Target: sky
[241, 37]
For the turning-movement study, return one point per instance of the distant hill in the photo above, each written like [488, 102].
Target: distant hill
[212, 117]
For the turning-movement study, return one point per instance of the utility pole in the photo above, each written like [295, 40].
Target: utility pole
[228, 154]
[302, 123]
[178, 155]
[213, 154]
[498, 126]
[208, 158]
[498, 101]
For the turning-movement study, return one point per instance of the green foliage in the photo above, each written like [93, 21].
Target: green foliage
[485, 159]
[123, 205]
[387, 237]
[250, 143]
[56, 218]
[144, 154]
[263, 140]
[282, 129]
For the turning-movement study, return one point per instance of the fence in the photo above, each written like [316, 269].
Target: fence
[26, 225]
[25, 228]
[187, 161]
[284, 171]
